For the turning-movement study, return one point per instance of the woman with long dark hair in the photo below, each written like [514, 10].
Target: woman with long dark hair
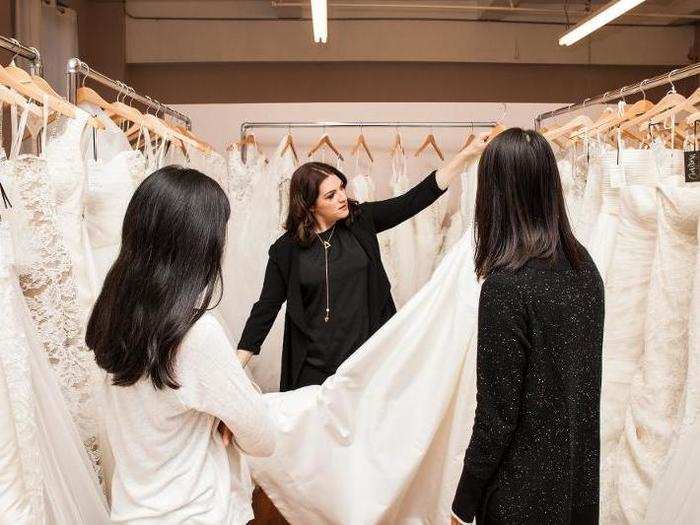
[328, 268]
[534, 452]
[171, 375]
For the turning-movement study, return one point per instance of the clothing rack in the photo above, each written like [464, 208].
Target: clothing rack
[609, 96]
[18, 49]
[247, 126]
[77, 68]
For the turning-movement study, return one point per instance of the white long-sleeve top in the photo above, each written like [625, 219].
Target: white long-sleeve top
[170, 463]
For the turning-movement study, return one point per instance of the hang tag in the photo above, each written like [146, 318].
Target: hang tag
[692, 166]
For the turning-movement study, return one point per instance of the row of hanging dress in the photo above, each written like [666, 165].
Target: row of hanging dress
[639, 221]
[46, 475]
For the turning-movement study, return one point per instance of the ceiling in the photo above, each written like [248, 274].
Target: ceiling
[652, 12]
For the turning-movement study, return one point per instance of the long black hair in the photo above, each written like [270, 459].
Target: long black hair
[303, 192]
[520, 209]
[165, 277]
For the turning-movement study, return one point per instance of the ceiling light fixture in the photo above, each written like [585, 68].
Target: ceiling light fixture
[603, 16]
[319, 15]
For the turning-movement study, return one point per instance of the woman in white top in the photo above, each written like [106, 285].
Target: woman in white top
[171, 374]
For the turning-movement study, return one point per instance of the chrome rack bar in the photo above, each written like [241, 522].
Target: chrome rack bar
[18, 49]
[640, 87]
[246, 126]
[77, 68]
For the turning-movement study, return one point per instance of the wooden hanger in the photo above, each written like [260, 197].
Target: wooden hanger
[565, 130]
[687, 106]
[289, 144]
[693, 118]
[398, 145]
[467, 142]
[325, 140]
[362, 143]
[249, 140]
[660, 108]
[430, 141]
[8, 96]
[19, 80]
[187, 132]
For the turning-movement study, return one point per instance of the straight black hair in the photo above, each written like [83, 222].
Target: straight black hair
[520, 209]
[164, 278]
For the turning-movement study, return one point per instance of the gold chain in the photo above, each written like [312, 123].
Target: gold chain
[326, 246]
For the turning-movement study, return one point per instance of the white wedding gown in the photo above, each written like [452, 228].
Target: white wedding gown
[656, 392]
[47, 277]
[601, 241]
[266, 368]
[399, 242]
[627, 290]
[366, 457]
[45, 474]
[68, 178]
[114, 171]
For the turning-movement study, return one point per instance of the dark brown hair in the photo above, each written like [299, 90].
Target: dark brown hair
[303, 192]
[520, 210]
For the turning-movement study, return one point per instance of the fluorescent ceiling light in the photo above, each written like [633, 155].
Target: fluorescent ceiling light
[319, 15]
[605, 15]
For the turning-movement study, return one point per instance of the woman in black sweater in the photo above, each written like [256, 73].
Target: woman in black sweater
[328, 268]
[533, 457]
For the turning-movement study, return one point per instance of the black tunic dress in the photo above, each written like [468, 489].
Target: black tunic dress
[332, 342]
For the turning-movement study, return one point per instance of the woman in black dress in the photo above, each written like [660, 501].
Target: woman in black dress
[328, 268]
[534, 452]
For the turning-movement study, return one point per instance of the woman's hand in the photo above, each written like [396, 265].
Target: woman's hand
[458, 163]
[244, 356]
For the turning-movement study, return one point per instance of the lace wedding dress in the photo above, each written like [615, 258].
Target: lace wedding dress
[46, 276]
[68, 178]
[656, 393]
[45, 474]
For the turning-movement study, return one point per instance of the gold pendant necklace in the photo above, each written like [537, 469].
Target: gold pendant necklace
[326, 246]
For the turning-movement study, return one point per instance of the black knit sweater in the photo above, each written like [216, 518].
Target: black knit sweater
[535, 447]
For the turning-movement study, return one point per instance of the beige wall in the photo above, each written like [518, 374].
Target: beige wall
[383, 82]
[191, 40]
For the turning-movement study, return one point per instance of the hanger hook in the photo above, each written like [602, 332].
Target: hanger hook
[673, 88]
[641, 86]
[621, 94]
[505, 111]
[86, 75]
[585, 102]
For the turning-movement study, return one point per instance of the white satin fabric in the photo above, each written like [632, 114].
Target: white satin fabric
[383, 440]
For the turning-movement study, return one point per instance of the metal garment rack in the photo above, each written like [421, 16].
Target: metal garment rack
[77, 69]
[247, 126]
[640, 87]
[29, 53]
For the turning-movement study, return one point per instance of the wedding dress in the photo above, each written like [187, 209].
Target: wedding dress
[592, 195]
[601, 242]
[266, 367]
[656, 392]
[400, 240]
[675, 497]
[627, 290]
[430, 235]
[47, 280]
[45, 474]
[114, 171]
[245, 180]
[396, 467]
[68, 177]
